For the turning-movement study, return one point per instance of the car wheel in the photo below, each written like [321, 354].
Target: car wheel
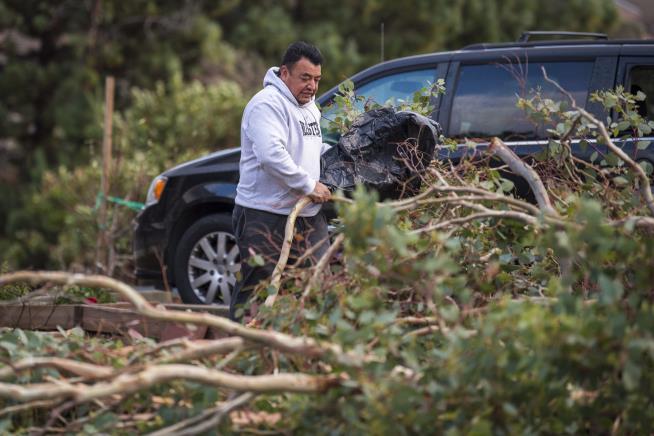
[206, 261]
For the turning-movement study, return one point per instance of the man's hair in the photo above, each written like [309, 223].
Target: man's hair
[299, 50]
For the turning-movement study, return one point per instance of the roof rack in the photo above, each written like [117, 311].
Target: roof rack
[526, 35]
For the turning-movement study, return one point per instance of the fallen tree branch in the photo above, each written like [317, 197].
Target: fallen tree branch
[519, 167]
[81, 369]
[421, 199]
[132, 382]
[37, 404]
[212, 417]
[500, 214]
[422, 331]
[310, 251]
[645, 222]
[216, 415]
[459, 198]
[217, 346]
[322, 264]
[414, 320]
[286, 249]
[183, 341]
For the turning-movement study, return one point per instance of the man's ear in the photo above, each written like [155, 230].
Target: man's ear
[284, 72]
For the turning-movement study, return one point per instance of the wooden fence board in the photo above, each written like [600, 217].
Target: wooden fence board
[40, 317]
[115, 318]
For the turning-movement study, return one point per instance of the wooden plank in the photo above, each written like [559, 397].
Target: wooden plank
[157, 296]
[174, 331]
[215, 309]
[104, 318]
[39, 317]
[153, 296]
[114, 318]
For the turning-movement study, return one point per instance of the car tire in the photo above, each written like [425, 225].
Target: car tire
[206, 261]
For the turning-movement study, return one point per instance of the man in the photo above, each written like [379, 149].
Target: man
[281, 144]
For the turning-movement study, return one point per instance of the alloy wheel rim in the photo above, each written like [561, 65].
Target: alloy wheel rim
[212, 267]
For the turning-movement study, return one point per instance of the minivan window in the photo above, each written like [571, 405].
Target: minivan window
[641, 78]
[486, 95]
[398, 86]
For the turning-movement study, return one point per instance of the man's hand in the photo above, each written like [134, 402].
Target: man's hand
[320, 193]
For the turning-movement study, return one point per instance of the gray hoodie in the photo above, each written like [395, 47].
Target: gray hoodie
[281, 143]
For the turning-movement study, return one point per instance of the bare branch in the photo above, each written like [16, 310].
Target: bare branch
[414, 320]
[645, 187]
[198, 424]
[322, 264]
[437, 328]
[217, 415]
[644, 222]
[80, 369]
[195, 352]
[528, 219]
[499, 149]
[286, 249]
[27, 406]
[310, 251]
[132, 382]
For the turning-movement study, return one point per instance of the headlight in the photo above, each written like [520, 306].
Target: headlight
[156, 189]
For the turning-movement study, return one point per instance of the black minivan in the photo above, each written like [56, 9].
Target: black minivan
[184, 231]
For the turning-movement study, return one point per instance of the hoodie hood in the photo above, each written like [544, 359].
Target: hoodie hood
[272, 79]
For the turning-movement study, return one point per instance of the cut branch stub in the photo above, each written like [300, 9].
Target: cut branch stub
[519, 167]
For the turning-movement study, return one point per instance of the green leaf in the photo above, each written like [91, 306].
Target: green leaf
[583, 145]
[5, 425]
[311, 315]
[509, 409]
[620, 181]
[646, 166]
[105, 420]
[22, 337]
[610, 101]
[264, 405]
[507, 185]
[642, 145]
[256, 260]
[623, 125]
[612, 159]
[611, 290]
[9, 346]
[631, 376]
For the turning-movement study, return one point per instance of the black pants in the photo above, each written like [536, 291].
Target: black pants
[262, 233]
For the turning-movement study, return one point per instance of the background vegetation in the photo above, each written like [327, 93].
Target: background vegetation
[184, 72]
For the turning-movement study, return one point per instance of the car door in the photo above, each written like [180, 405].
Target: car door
[636, 74]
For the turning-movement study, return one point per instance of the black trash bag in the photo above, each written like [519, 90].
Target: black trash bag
[384, 150]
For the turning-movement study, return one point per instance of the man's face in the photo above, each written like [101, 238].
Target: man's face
[302, 79]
